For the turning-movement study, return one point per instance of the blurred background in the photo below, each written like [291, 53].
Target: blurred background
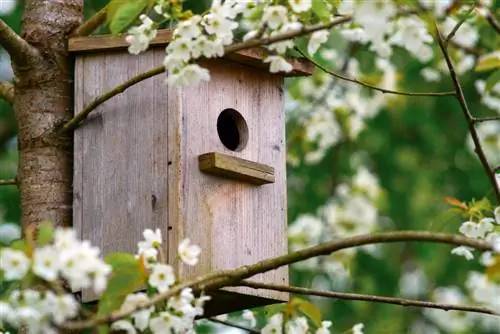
[400, 155]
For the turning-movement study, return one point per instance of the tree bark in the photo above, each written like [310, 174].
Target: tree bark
[43, 98]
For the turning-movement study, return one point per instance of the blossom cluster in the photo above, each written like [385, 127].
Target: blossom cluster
[79, 265]
[179, 313]
[351, 212]
[207, 35]
[330, 112]
[278, 324]
[483, 229]
[76, 262]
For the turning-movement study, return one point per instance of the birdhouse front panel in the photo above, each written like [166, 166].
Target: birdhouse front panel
[203, 162]
[236, 219]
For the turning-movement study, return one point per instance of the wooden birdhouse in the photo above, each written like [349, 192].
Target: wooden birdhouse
[204, 162]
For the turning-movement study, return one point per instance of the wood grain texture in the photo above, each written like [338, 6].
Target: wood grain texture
[251, 57]
[236, 168]
[121, 156]
[136, 167]
[235, 223]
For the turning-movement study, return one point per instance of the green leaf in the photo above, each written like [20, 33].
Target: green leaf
[320, 8]
[488, 62]
[492, 80]
[256, 12]
[128, 275]
[111, 9]
[20, 245]
[103, 329]
[125, 15]
[120, 260]
[311, 311]
[45, 233]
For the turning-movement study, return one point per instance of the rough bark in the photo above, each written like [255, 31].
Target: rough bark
[43, 97]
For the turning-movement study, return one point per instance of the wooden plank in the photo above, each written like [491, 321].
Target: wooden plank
[236, 168]
[234, 223]
[123, 154]
[252, 57]
[99, 43]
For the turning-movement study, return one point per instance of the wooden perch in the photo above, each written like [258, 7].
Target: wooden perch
[236, 168]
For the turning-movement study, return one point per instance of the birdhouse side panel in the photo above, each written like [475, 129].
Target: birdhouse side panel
[121, 158]
[235, 222]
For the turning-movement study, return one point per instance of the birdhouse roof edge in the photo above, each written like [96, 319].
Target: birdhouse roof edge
[252, 57]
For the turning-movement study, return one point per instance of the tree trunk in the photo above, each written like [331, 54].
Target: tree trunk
[43, 97]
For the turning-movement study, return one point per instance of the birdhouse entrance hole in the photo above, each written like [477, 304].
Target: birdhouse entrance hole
[232, 129]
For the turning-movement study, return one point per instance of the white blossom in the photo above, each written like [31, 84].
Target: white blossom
[278, 64]
[274, 16]
[300, 6]
[162, 277]
[250, 317]
[275, 325]
[324, 329]
[463, 251]
[189, 253]
[15, 264]
[430, 74]
[141, 318]
[189, 75]
[358, 328]
[123, 325]
[46, 263]
[140, 36]
[317, 38]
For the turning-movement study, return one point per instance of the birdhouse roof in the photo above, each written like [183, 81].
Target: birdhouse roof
[251, 57]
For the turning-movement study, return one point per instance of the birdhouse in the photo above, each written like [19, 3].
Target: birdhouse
[204, 162]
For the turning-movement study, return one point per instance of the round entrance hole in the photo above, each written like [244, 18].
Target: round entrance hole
[232, 129]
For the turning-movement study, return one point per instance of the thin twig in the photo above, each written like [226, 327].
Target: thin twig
[255, 42]
[7, 92]
[18, 49]
[493, 22]
[458, 25]
[468, 116]
[89, 26]
[364, 84]
[217, 280]
[485, 119]
[370, 298]
[8, 182]
[80, 116]
[230, 324]
[251, 43]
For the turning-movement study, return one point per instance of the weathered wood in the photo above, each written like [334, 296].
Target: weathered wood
[100, 43]
[121, 160]
[136, 167]
[251, 57]
[234, 223]
[236, 168]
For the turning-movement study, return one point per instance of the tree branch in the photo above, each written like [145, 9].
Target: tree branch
[7, 92]
[80, 116]
[458, 25]
[468, 116]
[217, 280]
[230, 324]
[88, 27]
[485, 119]
[18, 49]
[364, 84]
[8, 182]
[251, 43]
[369, 298]
[493, 22]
